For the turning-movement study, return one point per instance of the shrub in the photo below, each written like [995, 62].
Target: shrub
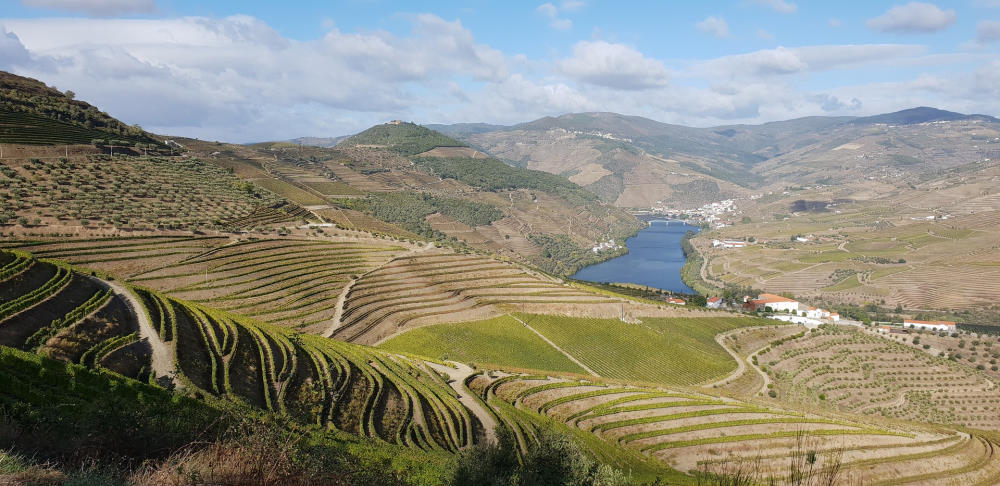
[555, 460]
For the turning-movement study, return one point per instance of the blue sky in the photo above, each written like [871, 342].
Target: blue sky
[244, 71]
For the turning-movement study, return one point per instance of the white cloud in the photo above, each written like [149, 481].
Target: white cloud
[798, 60]
[552, 12]
[777, 5]
[561, 24]
[988, 31]
[548, 10]
[238, 79]
[614, 66]
[96, 8]
[12, 51]
[715, 26]
[913, 18]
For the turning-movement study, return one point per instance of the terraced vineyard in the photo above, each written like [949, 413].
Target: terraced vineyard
[438, 286]
[864, 373]
[73, 317]
[290, 282]
[30, 129]
[50, 309]
[696, 432]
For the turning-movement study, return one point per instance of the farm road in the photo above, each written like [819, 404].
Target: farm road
[557, 348]
[458, 376]
[740, 361]
[335, 321]
[162, 361]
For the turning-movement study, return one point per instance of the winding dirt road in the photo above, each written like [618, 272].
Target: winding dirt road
[742, 363]
[457, 383]
[162, 360]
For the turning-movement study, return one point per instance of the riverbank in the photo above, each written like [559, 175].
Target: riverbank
[691, 271]
[654, 259]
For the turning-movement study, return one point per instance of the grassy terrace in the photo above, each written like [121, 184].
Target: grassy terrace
[680, 351]
[501, 341]
[690, 431]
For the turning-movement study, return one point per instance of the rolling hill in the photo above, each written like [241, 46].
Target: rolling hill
[635, 162]
[35, 114]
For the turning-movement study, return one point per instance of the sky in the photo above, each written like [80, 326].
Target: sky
[245, 71]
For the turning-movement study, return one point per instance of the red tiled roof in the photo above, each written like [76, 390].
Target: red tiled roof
[714, 299]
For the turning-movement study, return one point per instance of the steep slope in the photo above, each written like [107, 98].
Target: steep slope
[35, 114]
[429, 185]
[58, 312]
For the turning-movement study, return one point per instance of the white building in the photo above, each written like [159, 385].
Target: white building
[714, 302]
[948, 326]
[776, 303]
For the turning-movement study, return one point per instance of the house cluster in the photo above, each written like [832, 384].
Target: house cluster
[605, 246]
[796, 311]
[945, 326]
[712, 213]
[676, 301]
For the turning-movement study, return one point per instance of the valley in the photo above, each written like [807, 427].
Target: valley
[393, 307]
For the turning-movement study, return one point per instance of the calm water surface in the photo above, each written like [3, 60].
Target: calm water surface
[654, 259]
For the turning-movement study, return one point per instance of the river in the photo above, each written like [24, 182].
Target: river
[654, 259]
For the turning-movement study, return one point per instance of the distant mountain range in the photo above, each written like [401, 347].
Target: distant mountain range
[635, 162]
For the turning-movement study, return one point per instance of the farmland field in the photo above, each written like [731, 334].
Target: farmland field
[98, 192]
[679, 351]
[501, 341]
[659, 350]
[872, 251]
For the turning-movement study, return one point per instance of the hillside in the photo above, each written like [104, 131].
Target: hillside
[920, 242]
[35, 114]
[418, 403]
[405, 180]
[635, 162]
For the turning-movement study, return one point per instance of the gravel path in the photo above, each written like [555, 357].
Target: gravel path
[740, 361]
[162, 361]
[457, 383]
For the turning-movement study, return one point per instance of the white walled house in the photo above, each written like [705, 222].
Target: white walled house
[713, 302]
[776, 303]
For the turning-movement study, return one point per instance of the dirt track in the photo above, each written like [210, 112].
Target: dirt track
[162, 360]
